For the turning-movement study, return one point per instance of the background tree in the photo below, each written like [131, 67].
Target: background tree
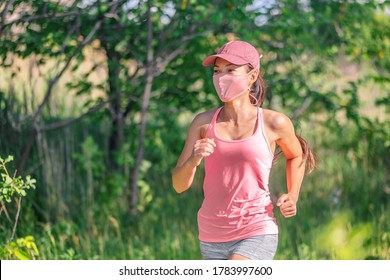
[135, 53]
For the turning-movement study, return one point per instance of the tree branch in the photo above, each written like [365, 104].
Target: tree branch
[4, 15]
[70, 121]
[48, 93]
[19, 201]
[170, 54]
[64, 68]
[162, 63]
[302, 108]
[3, 208]
[180, 41]
[114, 5]
[33, 18]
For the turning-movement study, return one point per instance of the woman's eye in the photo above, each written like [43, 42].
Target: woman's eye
[217, 71]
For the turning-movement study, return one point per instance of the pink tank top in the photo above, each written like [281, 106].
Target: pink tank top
[237, 201]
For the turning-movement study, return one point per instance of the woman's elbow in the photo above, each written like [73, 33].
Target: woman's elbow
[181, 181]
[179, 188]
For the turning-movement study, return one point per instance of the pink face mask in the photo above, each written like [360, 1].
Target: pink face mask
[229, 86]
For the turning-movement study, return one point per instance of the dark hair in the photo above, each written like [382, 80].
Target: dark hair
[257, 96]
[258, 89]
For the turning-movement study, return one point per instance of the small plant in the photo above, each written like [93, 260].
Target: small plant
[14, 188]
[22, 249]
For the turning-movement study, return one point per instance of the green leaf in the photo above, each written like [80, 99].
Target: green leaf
[8, 180]
[9, 159]
[21, 255]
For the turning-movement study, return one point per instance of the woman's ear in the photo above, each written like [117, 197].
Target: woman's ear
[253, 76]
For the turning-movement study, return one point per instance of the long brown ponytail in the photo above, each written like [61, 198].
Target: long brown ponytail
[258, 89]
[257, 96]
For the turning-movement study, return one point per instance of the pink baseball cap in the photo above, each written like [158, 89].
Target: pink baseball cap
[236, 52]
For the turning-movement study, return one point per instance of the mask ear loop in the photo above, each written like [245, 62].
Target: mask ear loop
[254, 98]
[251, 90]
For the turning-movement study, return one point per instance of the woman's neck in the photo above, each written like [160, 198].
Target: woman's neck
[238, 111]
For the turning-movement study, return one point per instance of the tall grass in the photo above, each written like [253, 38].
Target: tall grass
[343, 211]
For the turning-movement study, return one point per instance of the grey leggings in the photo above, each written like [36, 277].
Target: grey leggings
[261, 247]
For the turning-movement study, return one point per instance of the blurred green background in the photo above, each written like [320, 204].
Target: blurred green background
[96, 98]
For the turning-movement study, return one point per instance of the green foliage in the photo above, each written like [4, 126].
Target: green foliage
[21, 249]
[13, 186]
[90, 158]
[342, 239]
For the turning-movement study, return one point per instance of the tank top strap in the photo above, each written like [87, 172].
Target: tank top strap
[260, 119]
[260, 126]
[212, 122]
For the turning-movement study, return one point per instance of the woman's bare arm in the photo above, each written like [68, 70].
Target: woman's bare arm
[195, 149]
[295, 169]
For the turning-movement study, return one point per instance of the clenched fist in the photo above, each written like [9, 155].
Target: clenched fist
[202, 148]
[287, 205]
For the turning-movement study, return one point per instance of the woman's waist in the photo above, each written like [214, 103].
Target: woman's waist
[248, 220]
[235, 208]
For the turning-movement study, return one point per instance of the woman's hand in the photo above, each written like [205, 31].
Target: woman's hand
[287, 205]
[202, 148]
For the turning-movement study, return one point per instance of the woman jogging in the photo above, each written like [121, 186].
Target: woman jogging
[237, 143]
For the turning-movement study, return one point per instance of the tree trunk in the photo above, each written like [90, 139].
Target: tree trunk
[144, 115]
[116, 137]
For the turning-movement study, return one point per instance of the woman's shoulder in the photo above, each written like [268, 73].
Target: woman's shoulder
[204, 117]
[276, 120]
[202, 121]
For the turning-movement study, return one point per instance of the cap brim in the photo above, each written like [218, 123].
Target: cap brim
[209, 61]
